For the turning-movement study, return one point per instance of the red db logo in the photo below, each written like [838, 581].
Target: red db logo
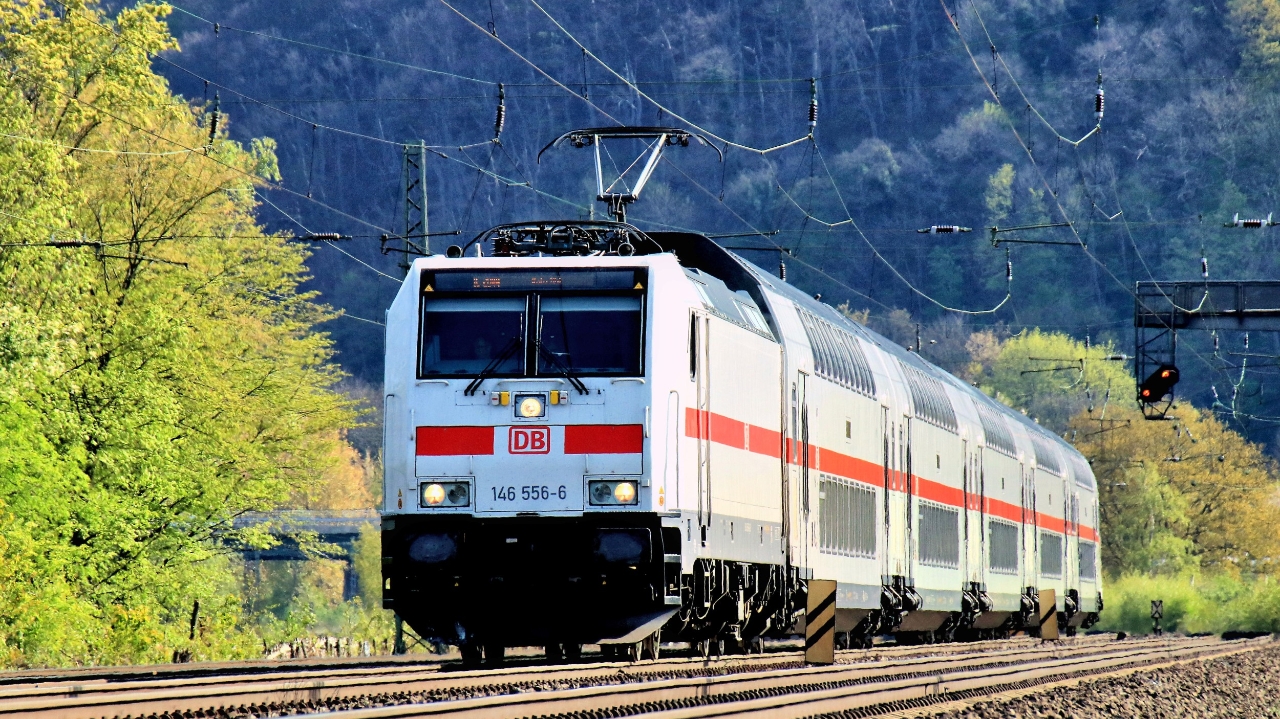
[529, 440]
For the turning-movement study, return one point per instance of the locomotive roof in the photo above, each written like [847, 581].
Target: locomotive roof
[697, 251]
[738, 273]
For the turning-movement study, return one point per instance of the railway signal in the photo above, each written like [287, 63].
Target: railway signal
[1158, 384]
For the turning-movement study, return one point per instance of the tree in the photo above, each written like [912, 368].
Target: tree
[1177, 496]
[168, 377]
[1050, 376]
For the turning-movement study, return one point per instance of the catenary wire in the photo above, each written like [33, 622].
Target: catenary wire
[1039, 171]
[72, 148]
[348, 53]
[530, 63]
[652, 101]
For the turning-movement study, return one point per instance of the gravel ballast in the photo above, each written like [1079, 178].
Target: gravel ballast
[1242, 685]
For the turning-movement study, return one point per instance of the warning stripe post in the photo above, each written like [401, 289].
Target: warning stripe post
[820, 623]
[1048, 615]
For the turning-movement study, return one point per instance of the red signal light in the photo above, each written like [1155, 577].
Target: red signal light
[1159, 384]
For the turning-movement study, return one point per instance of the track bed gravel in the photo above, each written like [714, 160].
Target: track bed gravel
[1241, 686]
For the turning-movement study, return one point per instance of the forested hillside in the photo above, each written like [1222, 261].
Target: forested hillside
[908, 136]
[170, 354]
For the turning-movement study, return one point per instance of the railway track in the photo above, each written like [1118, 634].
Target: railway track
[773, 685]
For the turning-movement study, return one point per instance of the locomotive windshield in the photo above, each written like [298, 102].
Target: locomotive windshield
[585, 323]
[465, 336]
[591, 335]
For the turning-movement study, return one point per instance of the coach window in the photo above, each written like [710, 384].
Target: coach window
[590, 335]
[466, 335]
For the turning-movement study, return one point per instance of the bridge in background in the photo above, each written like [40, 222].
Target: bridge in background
[340, 529]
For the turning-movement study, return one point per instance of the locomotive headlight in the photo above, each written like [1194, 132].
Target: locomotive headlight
[433, 495]
[445, 494]
[625, 492]
[612, 492]
[530, 406]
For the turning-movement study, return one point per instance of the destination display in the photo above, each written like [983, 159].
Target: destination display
[518, 280]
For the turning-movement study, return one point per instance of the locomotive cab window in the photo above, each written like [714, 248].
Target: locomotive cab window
[590, 334]
[465, 336]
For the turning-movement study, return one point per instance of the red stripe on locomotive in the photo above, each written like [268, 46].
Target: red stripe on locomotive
[603, 439]
[446, 441]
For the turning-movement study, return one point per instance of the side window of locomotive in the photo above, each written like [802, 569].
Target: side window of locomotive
[590, 335]
[464, 336]
[693, 347]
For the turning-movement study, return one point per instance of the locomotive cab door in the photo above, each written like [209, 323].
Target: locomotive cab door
[700, 368]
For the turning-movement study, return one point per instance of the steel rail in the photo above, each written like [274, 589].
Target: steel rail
[391, 684]
[794, 694]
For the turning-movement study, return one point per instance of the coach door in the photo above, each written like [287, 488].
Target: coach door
[804, 460]
[897, 497]
[1030, 524]
[974, 516]
[700, 366]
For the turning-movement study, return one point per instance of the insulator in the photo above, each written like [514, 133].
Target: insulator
[213, 120]
[323, 237]
[1099, 104]
[1204, 267]
[1237, 222]
[943, 229]
[1008, 266]
[501, 120]
[813, 103]
[782, 270]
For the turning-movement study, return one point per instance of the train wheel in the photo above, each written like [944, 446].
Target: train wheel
[471, 655]
[494, 654]
[842, 640]
[573, 652]
[651, 646]
[755, 645]
[554, 653]
[703, 648]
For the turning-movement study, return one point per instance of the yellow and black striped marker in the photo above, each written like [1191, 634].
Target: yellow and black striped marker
[820, 623]
[1048, 614]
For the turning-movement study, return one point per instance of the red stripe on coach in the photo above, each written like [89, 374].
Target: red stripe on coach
[603, 438]
[446, 441]
[729, 432]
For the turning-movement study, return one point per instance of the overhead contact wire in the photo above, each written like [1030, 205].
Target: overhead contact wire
[654, 102]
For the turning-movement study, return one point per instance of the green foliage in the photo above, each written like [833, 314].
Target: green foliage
[154, 389]
[1192, 604]
[999, 197]
[1050, 376]
[1258, 22]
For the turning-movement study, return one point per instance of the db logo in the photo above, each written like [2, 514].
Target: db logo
[529, 440]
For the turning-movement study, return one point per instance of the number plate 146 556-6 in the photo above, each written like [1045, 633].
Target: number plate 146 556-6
[531, 495]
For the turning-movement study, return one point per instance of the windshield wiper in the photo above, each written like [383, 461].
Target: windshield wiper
[492, 366]
[554, 361]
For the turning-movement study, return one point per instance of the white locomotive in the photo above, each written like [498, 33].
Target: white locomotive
[602, 435]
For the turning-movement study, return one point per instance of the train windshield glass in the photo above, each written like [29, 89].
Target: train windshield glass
[590, 335]
[466, 336]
